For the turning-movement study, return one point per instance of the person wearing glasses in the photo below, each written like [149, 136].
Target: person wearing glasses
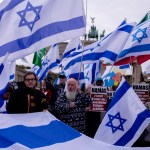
[27, 99]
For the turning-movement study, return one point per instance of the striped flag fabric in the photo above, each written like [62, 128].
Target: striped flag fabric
[42, 131]
[140, 59]
[143, 58]
[4, 74]
[75, 72]
[34, 24]
[105, 50]
[91, 72]
[137, 45]
[74, 45]
[50, 61]
[126, 118]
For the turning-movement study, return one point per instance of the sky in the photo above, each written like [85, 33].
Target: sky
[110, 13]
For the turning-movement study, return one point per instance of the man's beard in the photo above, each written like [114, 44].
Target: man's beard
[71, 94]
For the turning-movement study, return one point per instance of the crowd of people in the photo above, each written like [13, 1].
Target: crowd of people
[65, 100]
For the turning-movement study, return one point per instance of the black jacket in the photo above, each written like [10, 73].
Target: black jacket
[19, 101]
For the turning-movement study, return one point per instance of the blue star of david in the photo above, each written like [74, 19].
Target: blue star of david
[1, 68]
[32, 11]
[138, 37]
[112, 125]
[45, 61]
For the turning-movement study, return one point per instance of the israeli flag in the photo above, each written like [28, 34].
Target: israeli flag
[126, 118]
[42, 131]
[50, 61]
[138, 42]
[34, 24]
[91, 72]
[74, 45]
[4, 74]
[36, 69]
[75, 72]
[105, 50]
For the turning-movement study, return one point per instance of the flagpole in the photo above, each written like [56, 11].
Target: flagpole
[83, 42]
[131, 71]
[117, 55]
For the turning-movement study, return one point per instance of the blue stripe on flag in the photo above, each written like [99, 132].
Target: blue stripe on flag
[92, 57]
[40, 136]
[2, 91]
[1, 102]
[138, 48]
[119, 93]
[77, 75]
[124, 66]
[132, 131]
[38, 71]
[57, 61]
[44, 32]
[43, 75]
[93, 73]
[10, 6]
[127, 28]
[53, 65]
[68, 53]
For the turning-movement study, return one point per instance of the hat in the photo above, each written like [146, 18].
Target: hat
[98, 79]
[62, 76]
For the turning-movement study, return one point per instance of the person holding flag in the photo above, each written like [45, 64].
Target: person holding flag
[5, 97]
[27, 99]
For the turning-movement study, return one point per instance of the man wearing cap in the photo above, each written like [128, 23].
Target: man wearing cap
[99, 82]
[59, 88]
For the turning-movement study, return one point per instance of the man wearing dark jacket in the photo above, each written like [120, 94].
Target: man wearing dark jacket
[59, 88]
[27, 99]
[71, 106]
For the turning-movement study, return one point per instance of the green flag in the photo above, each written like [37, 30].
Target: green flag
[37, 59]
[145, 18]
